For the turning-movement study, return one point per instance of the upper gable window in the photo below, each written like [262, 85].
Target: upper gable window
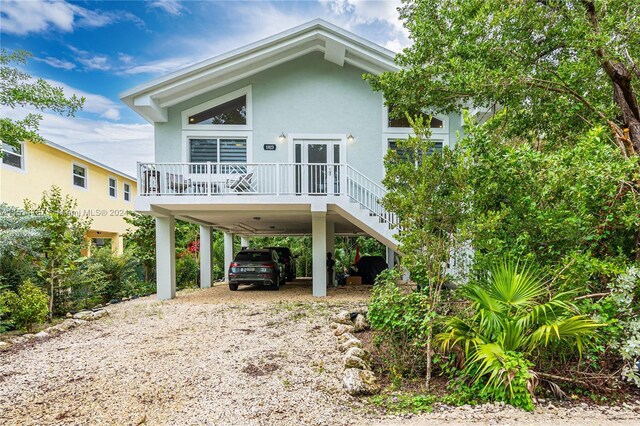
[12, 155]
[231, 112]
[401, 121]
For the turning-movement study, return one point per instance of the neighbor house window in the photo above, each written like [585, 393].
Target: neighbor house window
[79, 176]
[230, 112]
[13, 155]
[113, 186]
[398, 119]
[218, 150]
[127, 192]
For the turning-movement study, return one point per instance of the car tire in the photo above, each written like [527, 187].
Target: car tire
[233, 287]
[276, 285]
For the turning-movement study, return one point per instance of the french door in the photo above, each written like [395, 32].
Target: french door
[319, 169]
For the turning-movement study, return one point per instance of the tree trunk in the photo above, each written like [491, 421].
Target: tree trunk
[51, 285]
[427, 383]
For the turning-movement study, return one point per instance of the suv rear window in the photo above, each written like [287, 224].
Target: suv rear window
[257, 256]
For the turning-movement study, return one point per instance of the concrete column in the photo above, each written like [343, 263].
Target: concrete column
[244, 241]
[391, 258]
[228, 254]
[166, 257]
[331, 242]
[206, 257]
[319, 243]
[117, 244]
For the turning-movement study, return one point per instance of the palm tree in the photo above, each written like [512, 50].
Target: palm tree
[514, 316]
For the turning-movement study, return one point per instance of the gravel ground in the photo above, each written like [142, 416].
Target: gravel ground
[211, 356]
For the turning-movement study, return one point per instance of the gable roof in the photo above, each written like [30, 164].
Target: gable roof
[88, 160]
[152, 99]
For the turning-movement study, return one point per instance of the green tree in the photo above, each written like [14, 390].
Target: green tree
[64, 232]
[26, 308]
[17, 88]
[141, 237]
[555, 68]
[427, 191]
[18, 229]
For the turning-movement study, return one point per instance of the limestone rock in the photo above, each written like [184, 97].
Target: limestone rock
[69, 315]
[342, 317]
[360, 323]
[19, 339]
[360, 353]
[3, 345]
[82, 315]
[351, 343]
[360, 382]
[351, 361]
[98, 314]
[341, 329]
[363, 310]
[41, 335]
[345, 336]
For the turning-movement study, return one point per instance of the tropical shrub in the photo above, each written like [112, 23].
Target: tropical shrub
[187, 268]
[513, 317]
[26, 308]
[401, 322]
[111, 275]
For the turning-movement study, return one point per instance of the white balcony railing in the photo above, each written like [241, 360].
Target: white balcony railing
[214, 179]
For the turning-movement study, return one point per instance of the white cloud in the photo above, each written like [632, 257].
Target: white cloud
[57, 63]
[172, 7]
[24, 17]
[91, 61]
[94, 104]
[114, 144]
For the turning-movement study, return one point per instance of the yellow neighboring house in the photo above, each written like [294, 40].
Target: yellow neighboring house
[104, 194]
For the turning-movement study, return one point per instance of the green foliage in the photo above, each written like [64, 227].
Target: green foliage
[17, 88]
[141, 239]
[63, 238]
[405, 403]
[513, 318]
[26, 308]
[18, 230]
[551, 66]
[111, 276]
[401, 323]
[187, 268]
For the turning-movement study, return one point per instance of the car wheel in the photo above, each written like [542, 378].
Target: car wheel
[233, 287]
[276, 285]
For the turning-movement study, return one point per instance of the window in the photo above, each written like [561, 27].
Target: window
[230, 112]
[127, 192]
[12, 155]
[113, 186]
[393, 146]
[79, 176]
[218, 150]
[397, 119]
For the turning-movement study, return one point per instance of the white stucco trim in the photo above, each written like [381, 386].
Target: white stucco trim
[86, 176]
[245, 91]
[320, 137]
[216, 134]
[408, 130]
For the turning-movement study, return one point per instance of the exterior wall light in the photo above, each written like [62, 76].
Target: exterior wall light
[282, 138]
[350, 138]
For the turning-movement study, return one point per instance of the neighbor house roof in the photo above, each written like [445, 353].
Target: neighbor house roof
[152, 99]
[88, 160]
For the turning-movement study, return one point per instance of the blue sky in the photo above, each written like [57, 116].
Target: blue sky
[98, 49]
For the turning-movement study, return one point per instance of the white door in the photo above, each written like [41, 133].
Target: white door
[319, 173]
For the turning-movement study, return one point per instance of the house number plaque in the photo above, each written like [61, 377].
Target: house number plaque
[269, 146]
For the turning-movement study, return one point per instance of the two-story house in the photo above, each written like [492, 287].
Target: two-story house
[281, 137]
[103, 193]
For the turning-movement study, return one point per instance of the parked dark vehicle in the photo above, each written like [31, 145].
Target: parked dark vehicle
[289, 261]
[369, 267]
[261, 267]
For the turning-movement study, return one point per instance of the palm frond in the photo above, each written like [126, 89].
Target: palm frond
[573, 328]
[514, 284]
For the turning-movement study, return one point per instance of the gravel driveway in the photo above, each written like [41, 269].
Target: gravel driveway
[212, 357]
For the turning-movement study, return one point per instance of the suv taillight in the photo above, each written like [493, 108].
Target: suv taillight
[233, 265]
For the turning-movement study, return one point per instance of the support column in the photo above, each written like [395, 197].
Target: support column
[117, 244]
[244, 241]
[319, 243]
[206, 257]
[391, 258]
[331, 242]
[228, 254]
[166, 257]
